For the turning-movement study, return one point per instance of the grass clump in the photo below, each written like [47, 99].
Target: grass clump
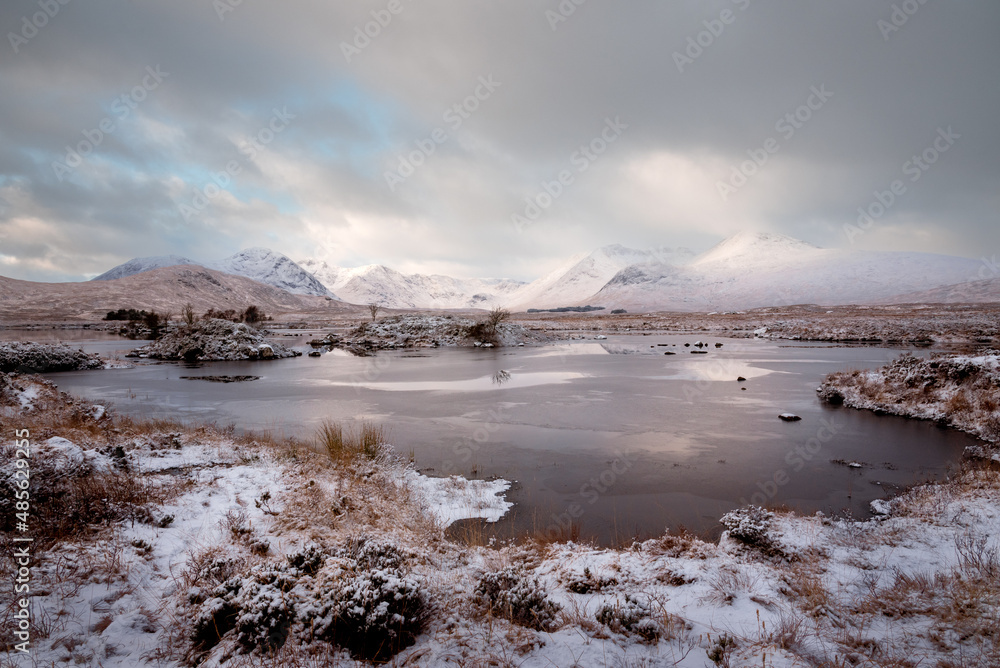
[345, 445]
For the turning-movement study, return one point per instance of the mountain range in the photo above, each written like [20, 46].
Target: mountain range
[746, 270]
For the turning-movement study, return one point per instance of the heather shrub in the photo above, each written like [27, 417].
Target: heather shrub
[749, 525]
[374, 614]
[631, 617]
[510, 594]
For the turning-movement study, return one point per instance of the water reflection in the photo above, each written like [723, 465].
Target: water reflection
[483, 383]
[501, 377]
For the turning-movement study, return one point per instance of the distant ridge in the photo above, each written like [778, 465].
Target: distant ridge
[259, 264]
[165, 290]
[744, 270]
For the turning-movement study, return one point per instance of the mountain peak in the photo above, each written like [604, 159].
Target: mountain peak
[753, 247]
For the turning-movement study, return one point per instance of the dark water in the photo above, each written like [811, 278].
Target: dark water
[613, 438]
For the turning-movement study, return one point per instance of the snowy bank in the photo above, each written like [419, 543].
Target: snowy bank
[962, 391]
[214, 340]
[29, 357]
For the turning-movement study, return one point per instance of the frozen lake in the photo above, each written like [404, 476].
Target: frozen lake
[613, 436]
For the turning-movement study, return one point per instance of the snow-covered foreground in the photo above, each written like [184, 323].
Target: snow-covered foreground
[294, 559]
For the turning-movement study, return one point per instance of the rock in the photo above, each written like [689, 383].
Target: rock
[669, 353]
[600, 337]
[315, 353]
[831, 395]
[881, 507]
[699, 352]
[718, 345]
[789, 417]
[740, 379]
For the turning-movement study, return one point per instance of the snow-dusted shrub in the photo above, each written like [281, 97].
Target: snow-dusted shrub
[374, 614]
[588, 583]
[265, 616]
[373, 554]
[307, 560]
[257, 606]
[633, 617]
[749, 525]
[216, 615]
[511, 594]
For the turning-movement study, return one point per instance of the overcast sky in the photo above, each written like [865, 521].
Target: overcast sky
[120, 119]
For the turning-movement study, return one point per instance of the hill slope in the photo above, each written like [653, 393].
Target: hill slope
[166, 289]
[259, 264]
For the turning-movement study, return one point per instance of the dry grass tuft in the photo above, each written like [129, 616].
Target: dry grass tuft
[345, 445]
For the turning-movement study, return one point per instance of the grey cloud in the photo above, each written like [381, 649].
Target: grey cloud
[606, 60]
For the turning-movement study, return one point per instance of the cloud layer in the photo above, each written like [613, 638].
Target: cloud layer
[476, 138]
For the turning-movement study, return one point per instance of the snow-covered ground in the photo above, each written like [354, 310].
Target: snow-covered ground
[287, 554]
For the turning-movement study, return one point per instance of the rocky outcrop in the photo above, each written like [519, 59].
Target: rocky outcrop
[29, 357]
[214, 340]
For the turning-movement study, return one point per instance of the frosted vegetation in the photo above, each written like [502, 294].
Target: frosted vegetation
[28, 357]
[961, 391]
[213, 339]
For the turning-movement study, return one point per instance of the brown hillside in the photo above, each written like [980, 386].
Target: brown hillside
[164, 290]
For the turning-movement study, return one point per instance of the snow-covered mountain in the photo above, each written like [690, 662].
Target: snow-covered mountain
[267, 266]
[748, 270]
[584, 275]
[140, 264]
[259, 264]
[376, 283]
